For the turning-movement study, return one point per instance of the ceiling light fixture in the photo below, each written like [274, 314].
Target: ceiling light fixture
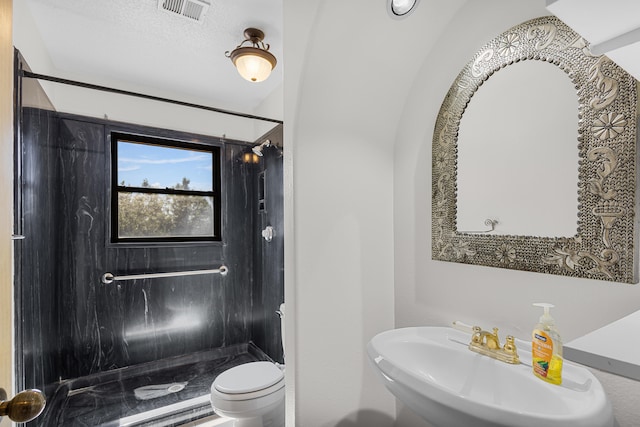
[255, 62]
[401, 8]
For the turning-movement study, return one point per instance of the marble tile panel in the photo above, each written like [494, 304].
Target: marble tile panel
[103, 399]
[73, 331]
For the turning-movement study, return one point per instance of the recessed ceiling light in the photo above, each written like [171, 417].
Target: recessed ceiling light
[401, 8]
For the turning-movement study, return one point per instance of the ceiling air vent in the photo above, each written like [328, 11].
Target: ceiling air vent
[193, 10]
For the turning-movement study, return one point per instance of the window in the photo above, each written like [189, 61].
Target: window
[163, 190]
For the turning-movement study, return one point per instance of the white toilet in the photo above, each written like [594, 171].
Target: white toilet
[251, 394]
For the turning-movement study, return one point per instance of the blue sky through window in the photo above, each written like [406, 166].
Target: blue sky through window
[163, 166]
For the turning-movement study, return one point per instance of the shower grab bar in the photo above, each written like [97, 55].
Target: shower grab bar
[108, 278]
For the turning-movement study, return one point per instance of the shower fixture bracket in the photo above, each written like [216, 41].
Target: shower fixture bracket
[268, 233]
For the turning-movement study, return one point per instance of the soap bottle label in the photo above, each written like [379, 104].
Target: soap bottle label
[541, 352]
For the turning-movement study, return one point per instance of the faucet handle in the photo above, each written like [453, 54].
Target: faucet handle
[476, 337]
[510, 345]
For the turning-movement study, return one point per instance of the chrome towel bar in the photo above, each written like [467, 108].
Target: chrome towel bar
[108, 278]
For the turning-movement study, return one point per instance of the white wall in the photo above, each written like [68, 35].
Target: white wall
[343, 239]
[349, 67]
[435, 293]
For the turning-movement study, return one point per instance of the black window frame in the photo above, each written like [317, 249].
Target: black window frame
[116, 189]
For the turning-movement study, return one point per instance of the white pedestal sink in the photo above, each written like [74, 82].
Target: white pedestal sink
[431, 370]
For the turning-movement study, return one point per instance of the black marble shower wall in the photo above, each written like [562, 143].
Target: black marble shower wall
[69, 323]
[269, 256]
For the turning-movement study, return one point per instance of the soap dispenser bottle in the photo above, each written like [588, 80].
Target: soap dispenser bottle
[546, 348]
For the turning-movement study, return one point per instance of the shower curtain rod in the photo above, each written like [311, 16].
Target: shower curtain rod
[30, 75]
[108, 278]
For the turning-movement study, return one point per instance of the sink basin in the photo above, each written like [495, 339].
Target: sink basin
[431, 370]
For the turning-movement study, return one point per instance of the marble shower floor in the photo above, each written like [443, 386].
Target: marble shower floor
[109, 399]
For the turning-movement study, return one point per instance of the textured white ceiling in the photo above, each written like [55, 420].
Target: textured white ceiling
[132, 42]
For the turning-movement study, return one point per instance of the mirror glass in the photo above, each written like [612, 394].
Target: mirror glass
[538, 136]
[518, 153]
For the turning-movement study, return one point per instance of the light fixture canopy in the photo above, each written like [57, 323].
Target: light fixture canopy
[255, 62]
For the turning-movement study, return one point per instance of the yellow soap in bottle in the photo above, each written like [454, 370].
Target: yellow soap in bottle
[546, 348]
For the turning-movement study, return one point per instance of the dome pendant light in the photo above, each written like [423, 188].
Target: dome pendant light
[255, 62]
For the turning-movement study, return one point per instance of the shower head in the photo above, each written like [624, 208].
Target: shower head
[258, 148]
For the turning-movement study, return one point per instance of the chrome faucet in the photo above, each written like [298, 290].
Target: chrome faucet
[488, 344]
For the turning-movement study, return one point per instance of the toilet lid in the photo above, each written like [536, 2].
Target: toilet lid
[247, 378]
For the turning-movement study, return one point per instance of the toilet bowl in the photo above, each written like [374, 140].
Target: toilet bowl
[251, 394]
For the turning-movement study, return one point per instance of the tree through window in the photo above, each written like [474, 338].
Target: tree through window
[164, 190]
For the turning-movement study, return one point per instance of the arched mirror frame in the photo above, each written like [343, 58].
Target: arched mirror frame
[604, 246]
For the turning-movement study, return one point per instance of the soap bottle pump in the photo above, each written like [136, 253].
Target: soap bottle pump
[546, 348]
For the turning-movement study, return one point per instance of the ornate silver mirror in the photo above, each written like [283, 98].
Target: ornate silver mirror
[577, 201]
